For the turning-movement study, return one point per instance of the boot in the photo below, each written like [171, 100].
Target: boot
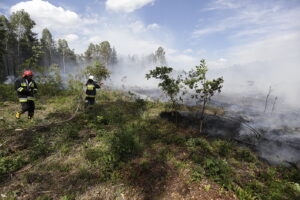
[18, 115]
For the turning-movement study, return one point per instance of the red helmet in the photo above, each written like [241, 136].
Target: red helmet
[27, 73]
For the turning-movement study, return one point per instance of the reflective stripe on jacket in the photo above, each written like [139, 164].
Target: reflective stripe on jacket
[91, 87]
[25, 88]
[22, 100]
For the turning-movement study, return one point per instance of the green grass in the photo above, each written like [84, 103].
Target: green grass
[123, 141]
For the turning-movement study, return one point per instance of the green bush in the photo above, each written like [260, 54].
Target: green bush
[124, 144]
[106, 162]
[40, 149]
[72, 133]
[197, 173]
[93, 154]
[224, 148]
[8, 92]
[49, 81]
[289, 174]
[68, 197]
[120, 147]
[219, 171]
[140, 106]
[44, 197]
[10, 164]
[174, 139]
[245, 154]
[202, 143]
[243, 194]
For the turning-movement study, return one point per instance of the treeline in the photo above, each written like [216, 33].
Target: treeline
[20, 48]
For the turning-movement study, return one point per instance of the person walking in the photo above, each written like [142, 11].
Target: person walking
[26, 88]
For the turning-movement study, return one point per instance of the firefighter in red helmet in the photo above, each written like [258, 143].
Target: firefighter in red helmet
[26, 88]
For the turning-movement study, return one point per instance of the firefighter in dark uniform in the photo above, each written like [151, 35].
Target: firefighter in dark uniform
[26, 88]
[91, 87]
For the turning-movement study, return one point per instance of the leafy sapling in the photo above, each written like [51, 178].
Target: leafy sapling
[98, 70]
[170, 86]
[202, 88]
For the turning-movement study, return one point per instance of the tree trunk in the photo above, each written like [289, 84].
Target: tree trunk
[266, 103]
[6, 70]
[202, 116]
[64, 62]
[273, 108]
[50, 57]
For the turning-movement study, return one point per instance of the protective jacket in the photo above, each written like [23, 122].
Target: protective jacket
[91, 88]
[25, 89]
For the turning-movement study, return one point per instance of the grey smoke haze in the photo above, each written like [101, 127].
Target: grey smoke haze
[272, 62]
[244, 94]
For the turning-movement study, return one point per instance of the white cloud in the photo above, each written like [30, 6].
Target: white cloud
[212, 29]
[139, 26]
[217, 64]
[71, 37]
[249, 20]
[223, 4]
[153, 26]
[47, 15]
[126, 6]
[95, 39]
[187, 51]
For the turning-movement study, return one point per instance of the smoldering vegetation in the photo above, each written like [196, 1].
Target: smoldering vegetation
[271, 127]
[263, 120]
[275, 136]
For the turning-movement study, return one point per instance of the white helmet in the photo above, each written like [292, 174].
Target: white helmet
[91, 77]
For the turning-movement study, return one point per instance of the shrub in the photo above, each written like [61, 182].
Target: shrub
[124, 144]
[44, 197]
[289, 174]
[49, 81]
[72, 133]
[9, 165]
[40, 148]
[244, 154]
[7, 92]
[120, 147]
[174, 139]
[197, 173]
[199, 142]
[243, 194]
[93, 154]
[219, 171]
[68, 197]
[224, 148]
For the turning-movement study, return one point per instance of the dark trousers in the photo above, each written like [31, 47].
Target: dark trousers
[29, 107]
[89, 101]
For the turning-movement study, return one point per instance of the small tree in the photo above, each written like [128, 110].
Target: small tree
[203, 89]
[98, 70]
[170, 86]
[33, 61]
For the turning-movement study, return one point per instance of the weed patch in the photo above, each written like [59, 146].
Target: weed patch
[9, 164]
